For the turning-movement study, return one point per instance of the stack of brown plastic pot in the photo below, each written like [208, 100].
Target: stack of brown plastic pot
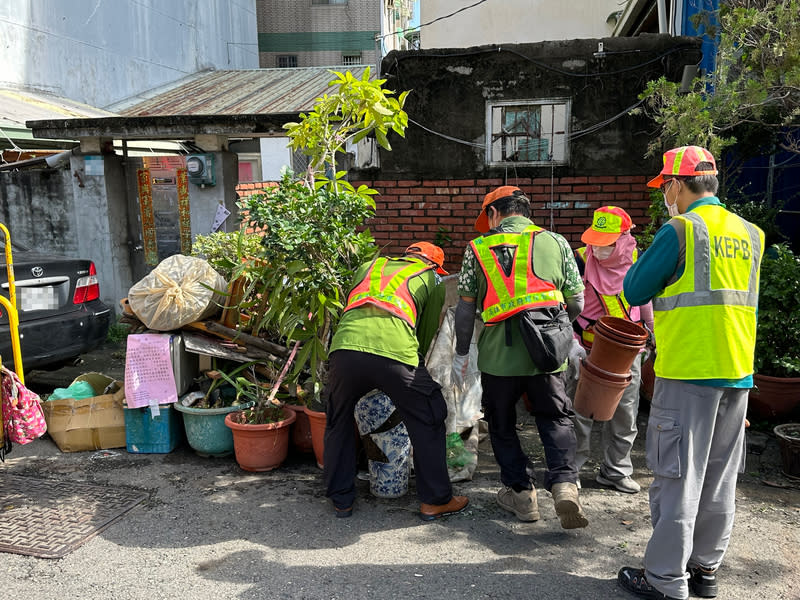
[606, 372]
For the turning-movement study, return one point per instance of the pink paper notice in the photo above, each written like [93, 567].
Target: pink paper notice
[148, 371]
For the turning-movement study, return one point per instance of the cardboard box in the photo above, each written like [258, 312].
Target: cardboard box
[92, 423]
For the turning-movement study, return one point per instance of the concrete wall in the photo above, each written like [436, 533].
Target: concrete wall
[38, 207]
[274, 156]
[514, 21]
[450, 90]
[102, 52]
[55, 212]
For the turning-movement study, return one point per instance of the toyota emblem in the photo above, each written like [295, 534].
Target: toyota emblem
[37, 271]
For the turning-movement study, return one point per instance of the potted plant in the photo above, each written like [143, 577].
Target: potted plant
[260, 432]
[312, 230]
[777, 352]
[204, 419]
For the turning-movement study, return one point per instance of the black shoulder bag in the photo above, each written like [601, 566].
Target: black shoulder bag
[547, 334]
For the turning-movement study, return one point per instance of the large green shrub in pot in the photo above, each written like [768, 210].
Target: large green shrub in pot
[777, 351]
[312, 243]
[313, 229]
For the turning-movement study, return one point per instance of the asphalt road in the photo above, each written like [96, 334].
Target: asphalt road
[209, 530]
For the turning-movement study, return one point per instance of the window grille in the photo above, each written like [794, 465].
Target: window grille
[351, 59]
[527, 132]
[287, 61]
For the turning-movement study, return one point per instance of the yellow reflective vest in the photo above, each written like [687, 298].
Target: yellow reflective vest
[705, 320]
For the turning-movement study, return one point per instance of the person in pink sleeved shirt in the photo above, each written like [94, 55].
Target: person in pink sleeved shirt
[609, 252]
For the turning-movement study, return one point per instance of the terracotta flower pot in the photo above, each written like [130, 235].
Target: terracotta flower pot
[317, 420]
[260, 447]
[300, 438]
[774, 397]
[597, 394]
[612, 355]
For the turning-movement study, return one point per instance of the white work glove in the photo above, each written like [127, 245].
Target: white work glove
[576, 354]
[460, 366]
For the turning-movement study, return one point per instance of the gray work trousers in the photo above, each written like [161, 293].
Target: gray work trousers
[695, 448]
[618, 433]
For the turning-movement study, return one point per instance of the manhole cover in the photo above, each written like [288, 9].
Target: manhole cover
[48, 518]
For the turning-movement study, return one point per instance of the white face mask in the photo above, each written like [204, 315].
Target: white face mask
[602, 252]
[672, 209]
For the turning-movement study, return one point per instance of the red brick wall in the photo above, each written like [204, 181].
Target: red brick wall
[415, 210]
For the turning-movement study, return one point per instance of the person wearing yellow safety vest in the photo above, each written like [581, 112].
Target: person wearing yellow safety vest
[701, 273]
[609, 252]
[391, 315]
[518, 266]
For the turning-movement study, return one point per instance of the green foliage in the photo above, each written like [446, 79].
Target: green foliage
[311, 246]
[777, 350]
[225, 250]
[756, 85]
[658, 216]
[118, 332]
[358, 108]
[758, 212]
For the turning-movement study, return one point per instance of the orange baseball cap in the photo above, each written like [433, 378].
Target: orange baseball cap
[430, 251]
[608, 223]
[482, 222]
[683, 162]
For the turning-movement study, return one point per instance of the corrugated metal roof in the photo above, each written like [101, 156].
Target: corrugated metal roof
[243, 92]
[18, 106]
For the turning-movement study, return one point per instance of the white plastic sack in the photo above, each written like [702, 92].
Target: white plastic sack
[463, 403]
[180, 290]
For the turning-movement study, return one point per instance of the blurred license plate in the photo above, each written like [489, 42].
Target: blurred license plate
[37, 298]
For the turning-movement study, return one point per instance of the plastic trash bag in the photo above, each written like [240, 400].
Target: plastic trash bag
[77, 390]
[180, 290]
[463, 402]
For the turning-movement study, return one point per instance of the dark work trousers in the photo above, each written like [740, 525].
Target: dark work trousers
[552, 409]
[416, 396]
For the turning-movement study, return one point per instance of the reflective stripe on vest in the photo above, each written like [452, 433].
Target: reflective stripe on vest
[507, 295]
[389, 292]
[705, 322]
[614, 305]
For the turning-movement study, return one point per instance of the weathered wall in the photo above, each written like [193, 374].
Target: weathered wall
[450, 89]
[103, 52]
[38, 208]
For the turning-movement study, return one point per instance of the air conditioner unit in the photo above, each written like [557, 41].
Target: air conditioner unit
[200, 169]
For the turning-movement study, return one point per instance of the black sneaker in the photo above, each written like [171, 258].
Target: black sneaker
[634, 581]
[703, 582]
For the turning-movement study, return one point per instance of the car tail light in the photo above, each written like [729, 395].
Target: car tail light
[87, 288]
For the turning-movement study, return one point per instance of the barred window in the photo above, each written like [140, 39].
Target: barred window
[351, 59]
[527, 132]
[286, 61]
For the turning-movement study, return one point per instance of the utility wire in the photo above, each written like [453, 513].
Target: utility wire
[571, 136]
[378, 37]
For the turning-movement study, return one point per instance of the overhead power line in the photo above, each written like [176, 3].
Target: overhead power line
[401, 31]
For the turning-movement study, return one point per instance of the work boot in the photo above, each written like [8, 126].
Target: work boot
[568, 507]
[429, 512]
[703, 582]
[523, 503]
